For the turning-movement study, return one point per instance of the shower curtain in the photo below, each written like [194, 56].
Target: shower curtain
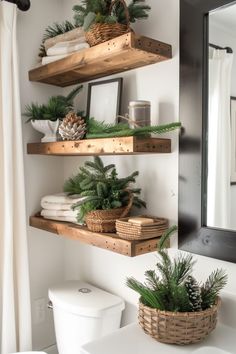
[15, 314]
[219, 139]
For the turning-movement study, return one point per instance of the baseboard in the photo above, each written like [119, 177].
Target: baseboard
[51, 350]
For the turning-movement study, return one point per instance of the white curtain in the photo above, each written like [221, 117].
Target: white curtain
[219, 139]
[15, 314]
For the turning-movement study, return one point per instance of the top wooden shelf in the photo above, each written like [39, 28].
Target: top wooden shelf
[120, 54]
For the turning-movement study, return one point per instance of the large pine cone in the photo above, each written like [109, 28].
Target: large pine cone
[72, 127]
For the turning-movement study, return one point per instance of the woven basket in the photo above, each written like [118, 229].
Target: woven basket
[102, 32]
[105, 220]
[178, 327]
[131, 232]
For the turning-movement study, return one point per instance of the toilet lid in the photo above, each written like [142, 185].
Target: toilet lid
[84, 299]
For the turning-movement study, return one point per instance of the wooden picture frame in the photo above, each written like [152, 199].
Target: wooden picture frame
[233, 139]
[104, 100]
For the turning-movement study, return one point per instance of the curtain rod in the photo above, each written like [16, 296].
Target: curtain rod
[22, 5]
[228, 49]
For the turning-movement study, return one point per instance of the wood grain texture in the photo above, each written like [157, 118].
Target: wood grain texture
[120, 54]
[110, 242]
[108, 146]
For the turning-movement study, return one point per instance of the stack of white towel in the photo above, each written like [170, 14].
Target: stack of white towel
[58, 207]
[63, 49]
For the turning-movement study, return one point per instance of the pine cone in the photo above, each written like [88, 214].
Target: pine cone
[72, 127]
[194, 293]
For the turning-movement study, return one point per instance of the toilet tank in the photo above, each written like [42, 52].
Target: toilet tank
[83, 313]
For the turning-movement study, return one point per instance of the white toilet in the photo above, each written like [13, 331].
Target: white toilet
[83, 313]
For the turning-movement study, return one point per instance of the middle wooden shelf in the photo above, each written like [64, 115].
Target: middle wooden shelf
[108, 146]
[110, 242]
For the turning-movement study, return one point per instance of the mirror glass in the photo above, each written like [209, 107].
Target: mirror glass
[221, 130]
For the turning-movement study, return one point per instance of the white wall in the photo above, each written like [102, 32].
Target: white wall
[52, 258]
[225, 37]
[158, 178]
[42, 174]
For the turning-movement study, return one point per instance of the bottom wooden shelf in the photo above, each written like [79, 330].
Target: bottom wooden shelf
[109, 242]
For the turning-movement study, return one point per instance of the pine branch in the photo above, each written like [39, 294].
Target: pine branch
[182, 268]
[124, 131]
[210, 290]
[166, 236]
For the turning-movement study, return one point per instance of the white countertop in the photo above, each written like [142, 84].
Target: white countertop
[132, 340]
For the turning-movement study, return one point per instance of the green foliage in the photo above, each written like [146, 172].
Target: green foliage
[102, 188]
[210, 290]
[90, 12]
[56, 108]
[172, 288]
[97, 129]
[53, 31]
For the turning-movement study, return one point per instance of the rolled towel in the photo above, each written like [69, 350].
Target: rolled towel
[63, 198]
[48, 60]
[63, 218]
[68, 36]
[67, 47]
[63, 213]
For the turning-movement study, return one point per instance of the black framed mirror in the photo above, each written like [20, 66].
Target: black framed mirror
[196, 233]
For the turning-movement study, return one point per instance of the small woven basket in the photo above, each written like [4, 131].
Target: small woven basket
[105, 220]
[129, 231]
[102, 32]
[178, 327]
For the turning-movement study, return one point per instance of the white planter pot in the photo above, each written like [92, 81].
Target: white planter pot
[48, 128]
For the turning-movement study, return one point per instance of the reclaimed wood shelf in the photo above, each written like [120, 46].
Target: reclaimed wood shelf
[109, 242]
[109, 146]
[120, 54]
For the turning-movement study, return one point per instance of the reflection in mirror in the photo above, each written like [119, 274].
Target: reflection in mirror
[221, 154]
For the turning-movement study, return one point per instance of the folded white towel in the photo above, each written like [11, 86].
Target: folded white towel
[68, 36]
[56, 206]
[48, 60]
[63, 198]
[67, 48]
[63, 218]
[70, 213]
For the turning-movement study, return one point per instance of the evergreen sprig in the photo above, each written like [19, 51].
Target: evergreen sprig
[171, 286]
[97, 129]
[90, 12]
[102, 188]
[57, 107]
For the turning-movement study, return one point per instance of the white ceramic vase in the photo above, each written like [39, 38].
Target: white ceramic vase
[48, 128]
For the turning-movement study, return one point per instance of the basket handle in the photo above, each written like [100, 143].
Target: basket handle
[125, 8]
[128, 206]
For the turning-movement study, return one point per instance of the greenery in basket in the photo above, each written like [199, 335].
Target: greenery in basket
[171, 287]
[55, 30]
[56, 108]
[96, 129]
[102, 188]
[91, 12]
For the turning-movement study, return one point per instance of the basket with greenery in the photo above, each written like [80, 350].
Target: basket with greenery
[174, 307]
[107, 197]
[56, 108]
[105, 19]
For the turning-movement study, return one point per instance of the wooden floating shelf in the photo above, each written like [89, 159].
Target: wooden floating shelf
[108, 146]
[109, 242]
[120, 54]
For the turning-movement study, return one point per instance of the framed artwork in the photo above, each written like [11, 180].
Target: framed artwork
[104, 100]
[233, 140]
